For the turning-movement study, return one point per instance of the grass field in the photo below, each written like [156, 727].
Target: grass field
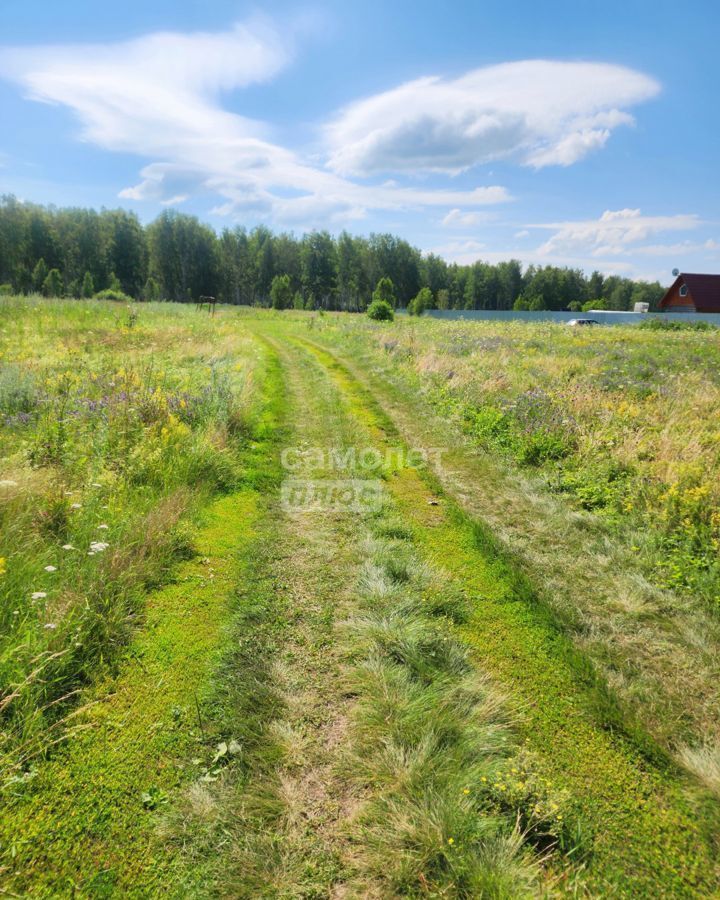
[498, 679]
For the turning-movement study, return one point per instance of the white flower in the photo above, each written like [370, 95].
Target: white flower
[39, 595]
[104, 527]
[91, 553]
[95, 484]
[51, 568]
[98, 546]
[76, 506]
[49, 625]
[68, 547]
[7, 482]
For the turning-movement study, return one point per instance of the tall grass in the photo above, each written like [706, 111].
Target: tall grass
[452, 808]
[620, 421]
[114, 428]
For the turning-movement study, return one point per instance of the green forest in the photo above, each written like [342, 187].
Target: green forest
[83, 253]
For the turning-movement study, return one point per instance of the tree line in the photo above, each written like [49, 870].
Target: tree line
[81, 252]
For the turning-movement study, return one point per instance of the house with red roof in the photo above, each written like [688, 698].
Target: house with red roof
[693, 293]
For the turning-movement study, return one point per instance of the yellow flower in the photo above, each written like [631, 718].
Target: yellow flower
[451, 841]
[466, 791]
[3, 565]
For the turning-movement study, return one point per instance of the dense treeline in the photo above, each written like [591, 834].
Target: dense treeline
[79, 252]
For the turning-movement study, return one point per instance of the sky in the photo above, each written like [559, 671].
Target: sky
[576, 133]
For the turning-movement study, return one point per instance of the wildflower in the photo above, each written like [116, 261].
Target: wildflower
[466, 791]
[68, 547]
[38, 595]
[103, 527]
[98, 546]
[451, 841]
[76, 506]
[50, 625]
[3, 565]
[95, 484]
[7, 482]
[51, 568]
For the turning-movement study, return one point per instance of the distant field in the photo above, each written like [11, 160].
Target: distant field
[501, 679]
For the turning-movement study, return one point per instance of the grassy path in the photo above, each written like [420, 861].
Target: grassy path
[645, 836]
[293, 843]
[358, 805]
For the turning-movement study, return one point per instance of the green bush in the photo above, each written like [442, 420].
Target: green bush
[6, 290]
[381, 311]
[421, 302]
[385, 290]
[110, 294]
[674, 325]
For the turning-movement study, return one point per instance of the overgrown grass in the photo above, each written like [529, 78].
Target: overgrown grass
[622, 421]
[576, 722]
[451, 811]
[115, 430]
[601, 578]
[191, 702]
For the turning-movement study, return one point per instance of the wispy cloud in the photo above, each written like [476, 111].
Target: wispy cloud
[537, 112]
[456, 218]
[159, 97]
[616, 232]
[619, 242]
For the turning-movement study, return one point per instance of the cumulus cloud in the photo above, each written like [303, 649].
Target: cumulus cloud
[159, 97]
[537, 112]
[615, 233]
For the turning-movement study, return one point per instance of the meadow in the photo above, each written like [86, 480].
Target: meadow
[620, 421]
[502, 681]
[111, 440]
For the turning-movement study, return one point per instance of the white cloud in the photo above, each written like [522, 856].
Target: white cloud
[149, 94]
[158, 97]
[619, 242]
[456, 218]
[616, 232]
[537, 112]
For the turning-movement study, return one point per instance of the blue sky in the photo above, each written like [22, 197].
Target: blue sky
[575, 133]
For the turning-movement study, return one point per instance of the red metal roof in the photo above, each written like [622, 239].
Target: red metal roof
[703, 289]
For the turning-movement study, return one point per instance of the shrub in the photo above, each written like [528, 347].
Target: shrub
[110, 294]
[53, 285]
[88, 286]
[385, 290]
[423, 301]
[381, 311]
[6, 290]
[281, 292]
[151, 291]
[674, 325]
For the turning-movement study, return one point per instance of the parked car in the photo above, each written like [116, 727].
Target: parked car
[583, 322]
